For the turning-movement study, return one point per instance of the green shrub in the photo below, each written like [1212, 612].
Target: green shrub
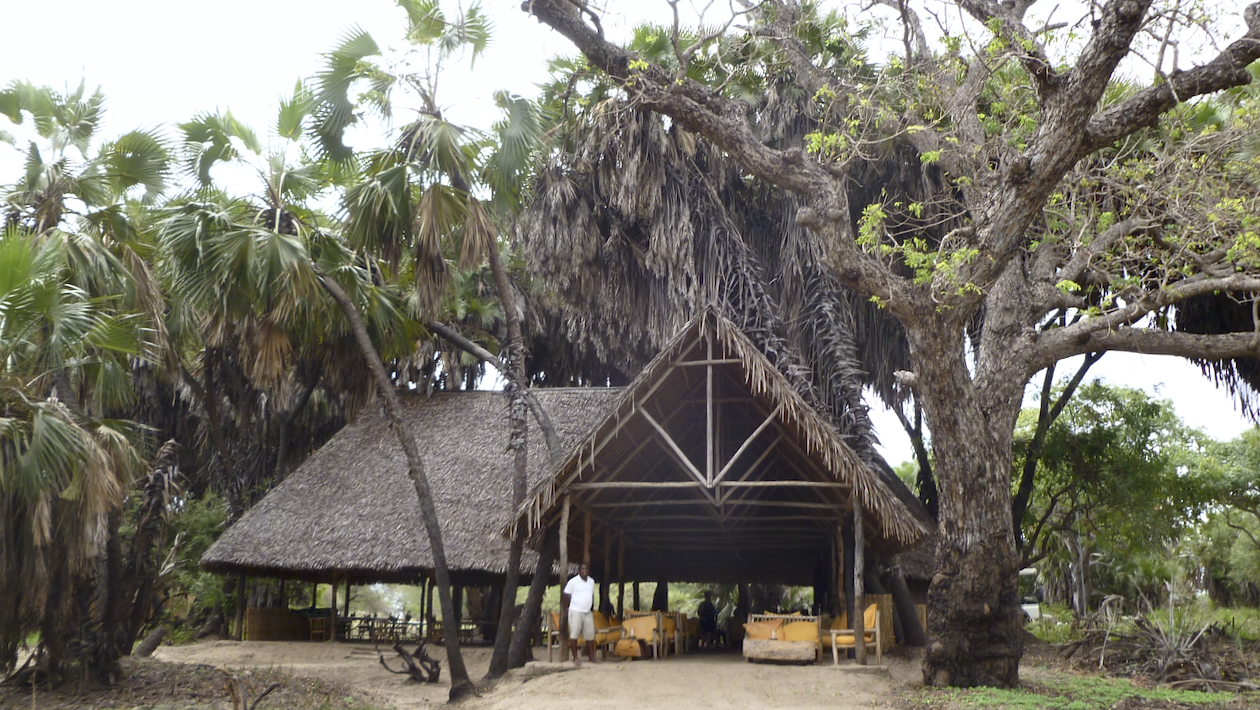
[1062, 691]
[1242, 623]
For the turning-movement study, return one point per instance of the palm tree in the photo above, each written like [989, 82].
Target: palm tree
[415, 208]
[63, 470]
[81, 309]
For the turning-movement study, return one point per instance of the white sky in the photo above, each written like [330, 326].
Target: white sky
[161, 62]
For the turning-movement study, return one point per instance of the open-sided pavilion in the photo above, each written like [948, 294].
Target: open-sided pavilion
[711, 467]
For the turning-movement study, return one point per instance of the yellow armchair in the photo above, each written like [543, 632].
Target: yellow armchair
[842, 637]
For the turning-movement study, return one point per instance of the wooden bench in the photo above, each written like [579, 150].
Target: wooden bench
[792, 637]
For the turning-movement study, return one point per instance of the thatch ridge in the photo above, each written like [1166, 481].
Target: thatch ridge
[820, 438]
[350, 509]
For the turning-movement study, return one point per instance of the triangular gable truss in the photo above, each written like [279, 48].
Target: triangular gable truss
[711, 461]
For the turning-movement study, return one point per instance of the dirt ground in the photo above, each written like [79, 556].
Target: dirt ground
[694, 680]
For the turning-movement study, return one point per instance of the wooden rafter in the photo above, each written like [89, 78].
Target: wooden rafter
[747, 442]
[673, 447]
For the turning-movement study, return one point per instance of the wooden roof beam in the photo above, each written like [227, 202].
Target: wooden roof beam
[634, 485]
[673, 448]
[710, 361]
[621, 422]
[738, 518]
[747, 442]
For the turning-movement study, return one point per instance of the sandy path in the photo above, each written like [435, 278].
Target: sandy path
[692, 681]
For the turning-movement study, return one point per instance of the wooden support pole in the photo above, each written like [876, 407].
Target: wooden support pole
[606, 583]
[284, 601]
[840, 601]
[708, 410]
[859, 585]
[636, 595]
[564, 577]
[457, 598]
[346, 609]
[239, 631]
[621, 577]
[332, 610]
[426, 609]
[586, 538]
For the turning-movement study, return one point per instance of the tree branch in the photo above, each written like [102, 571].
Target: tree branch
[1227, 70]
[688, 102]
[1230, 522]
[724, 122]
[780, 26]
[913, 29]
[1153, 342]
[1113, 331]
[554, 450]
[1008, 21]
[1076, 266]
[1045, 419]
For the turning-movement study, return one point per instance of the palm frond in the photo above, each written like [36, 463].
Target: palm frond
[425, 21]
[480, 235]
[294, 111]
[213, 138]
[334, 110]
[136, 158]
[379, 210]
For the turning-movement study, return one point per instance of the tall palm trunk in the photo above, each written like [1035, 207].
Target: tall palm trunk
[518, 416]
[518, 645]
[461, 685]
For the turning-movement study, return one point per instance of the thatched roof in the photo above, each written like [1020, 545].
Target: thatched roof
[350, 509]
[789, 476]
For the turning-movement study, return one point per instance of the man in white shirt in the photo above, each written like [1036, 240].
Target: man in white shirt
[578, 599]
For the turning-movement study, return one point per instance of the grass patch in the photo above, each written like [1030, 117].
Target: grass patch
[1055, 690]
[1055, 625]
[1238, 622]
[1052, 630]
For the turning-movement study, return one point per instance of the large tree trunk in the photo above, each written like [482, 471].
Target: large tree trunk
[975, 635]
[461, 684]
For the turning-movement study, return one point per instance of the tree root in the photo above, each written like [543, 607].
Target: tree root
[417, 666]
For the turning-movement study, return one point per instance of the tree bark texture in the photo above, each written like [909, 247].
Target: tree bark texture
[461, 685]
[974, 627]
[111, 643]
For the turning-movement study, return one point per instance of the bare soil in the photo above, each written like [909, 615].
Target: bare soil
[158, 685]
[348, 676]
[694, 680]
